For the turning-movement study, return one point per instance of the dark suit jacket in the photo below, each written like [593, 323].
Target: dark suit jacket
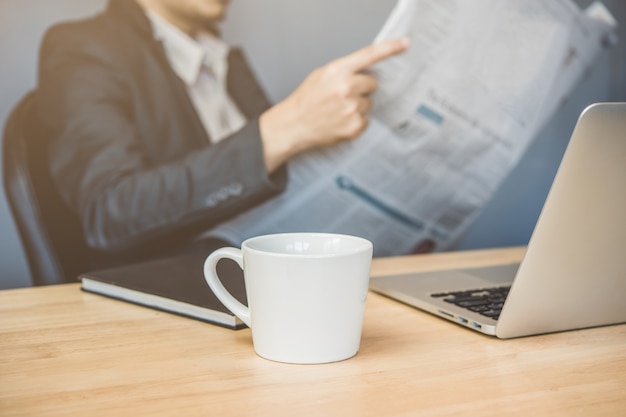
[127, 150]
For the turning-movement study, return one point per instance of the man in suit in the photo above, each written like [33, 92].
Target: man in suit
[157, 130]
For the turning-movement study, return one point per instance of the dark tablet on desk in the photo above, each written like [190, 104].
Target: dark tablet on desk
[175, 285]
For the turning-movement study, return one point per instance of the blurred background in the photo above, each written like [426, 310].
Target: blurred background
[285, 40]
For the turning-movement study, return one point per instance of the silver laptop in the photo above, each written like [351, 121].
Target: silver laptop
[573, 274]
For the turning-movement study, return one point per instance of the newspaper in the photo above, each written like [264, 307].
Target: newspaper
[452, 117]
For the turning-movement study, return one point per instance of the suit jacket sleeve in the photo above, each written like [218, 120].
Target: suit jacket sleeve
[128, 152]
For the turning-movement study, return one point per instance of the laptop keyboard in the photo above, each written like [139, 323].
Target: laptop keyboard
[485, 301]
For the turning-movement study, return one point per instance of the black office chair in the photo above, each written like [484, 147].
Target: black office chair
[51, 234]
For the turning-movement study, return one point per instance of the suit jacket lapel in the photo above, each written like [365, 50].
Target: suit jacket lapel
[241, 82]
[243, 86]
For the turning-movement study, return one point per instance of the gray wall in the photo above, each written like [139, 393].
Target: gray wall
[284, 40]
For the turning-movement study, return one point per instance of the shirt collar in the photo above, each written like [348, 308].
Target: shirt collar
[186, 54]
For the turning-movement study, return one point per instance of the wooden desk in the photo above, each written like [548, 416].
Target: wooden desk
[69, 353]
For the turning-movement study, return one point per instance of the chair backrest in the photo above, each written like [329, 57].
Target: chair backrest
[51, 234]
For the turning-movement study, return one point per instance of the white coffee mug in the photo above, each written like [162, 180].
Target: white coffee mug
[306, 294]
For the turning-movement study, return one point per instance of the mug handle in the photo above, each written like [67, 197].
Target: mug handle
[210, 275]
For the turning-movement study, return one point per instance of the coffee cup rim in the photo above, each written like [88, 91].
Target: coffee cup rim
[365, 244]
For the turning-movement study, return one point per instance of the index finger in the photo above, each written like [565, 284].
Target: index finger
[371, 54]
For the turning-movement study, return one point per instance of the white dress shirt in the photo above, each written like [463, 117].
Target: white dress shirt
[202, 64]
